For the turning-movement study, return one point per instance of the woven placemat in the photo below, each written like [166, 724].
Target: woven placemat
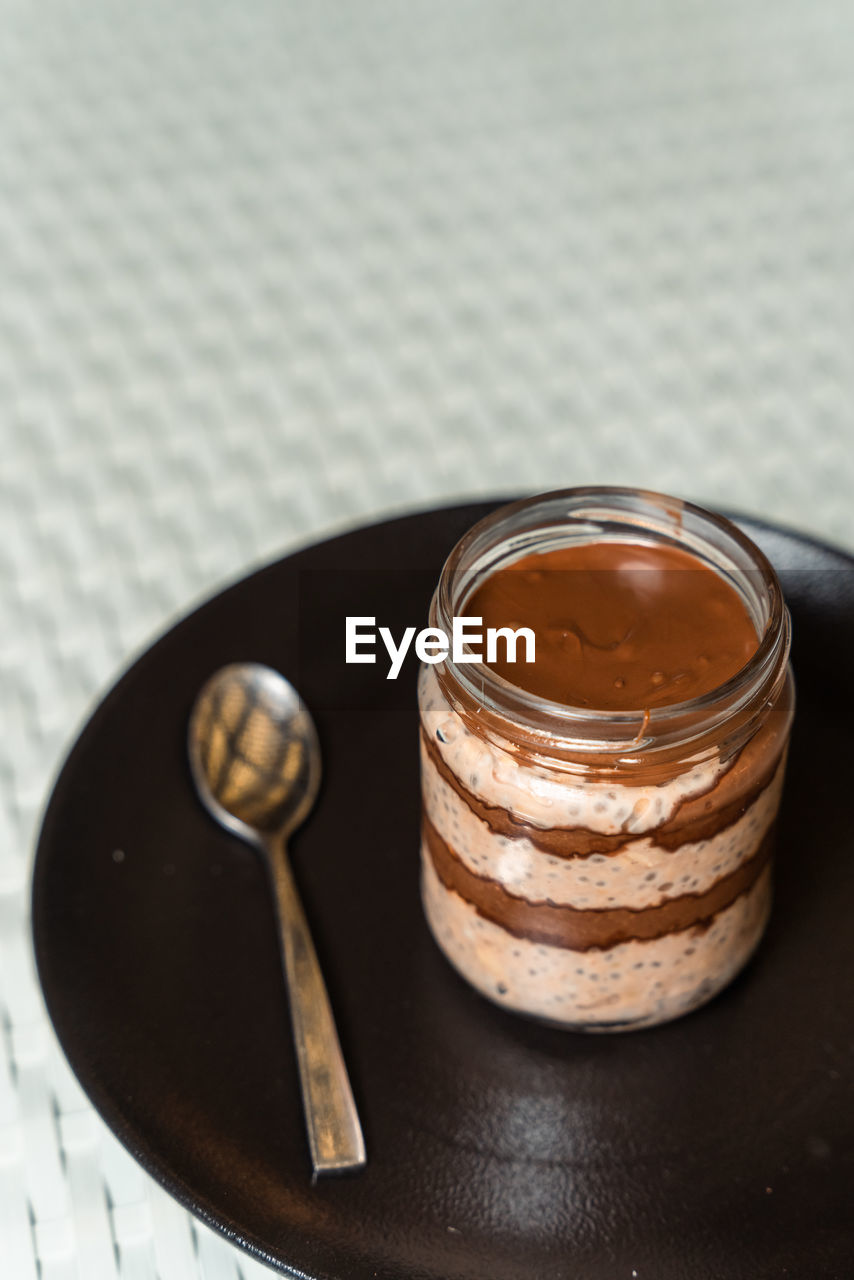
[267, 270]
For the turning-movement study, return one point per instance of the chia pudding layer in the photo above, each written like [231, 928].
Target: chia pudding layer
[598, 820]
[587, 903]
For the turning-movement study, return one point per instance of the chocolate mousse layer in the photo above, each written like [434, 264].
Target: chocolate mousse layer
[561, 925]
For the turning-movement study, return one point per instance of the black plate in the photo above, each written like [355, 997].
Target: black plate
[719, 1146]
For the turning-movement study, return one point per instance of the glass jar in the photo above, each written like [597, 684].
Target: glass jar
[602, 870]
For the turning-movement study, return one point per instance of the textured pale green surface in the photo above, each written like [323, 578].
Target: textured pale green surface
[270, 269]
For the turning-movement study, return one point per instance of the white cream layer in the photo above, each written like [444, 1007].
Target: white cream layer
[633, 877]
[546, 798]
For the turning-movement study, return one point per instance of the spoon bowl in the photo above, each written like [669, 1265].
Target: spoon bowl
[254, 752]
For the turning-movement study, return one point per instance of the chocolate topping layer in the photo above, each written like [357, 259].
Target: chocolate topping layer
[577, 929]
[619, 626]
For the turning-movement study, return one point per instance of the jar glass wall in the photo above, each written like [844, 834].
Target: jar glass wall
[602, 870]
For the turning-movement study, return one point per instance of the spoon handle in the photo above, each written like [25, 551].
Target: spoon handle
[332, 1122]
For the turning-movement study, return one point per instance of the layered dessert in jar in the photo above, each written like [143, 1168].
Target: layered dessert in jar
[598, 823]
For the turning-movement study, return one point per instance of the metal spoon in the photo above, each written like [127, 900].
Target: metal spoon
[255, 760]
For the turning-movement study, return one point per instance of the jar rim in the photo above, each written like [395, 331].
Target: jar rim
[642, 514]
